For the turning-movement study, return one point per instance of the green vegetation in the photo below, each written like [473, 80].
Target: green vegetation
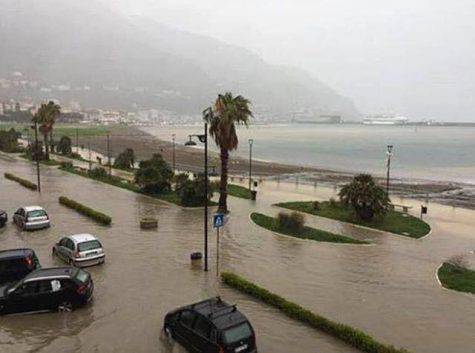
[456, 277]
[367, 199]
[125, 160]
[9, 141]
[394, 222]
[104, 177]
[64, 146]
[154, 175]
[226, 113]
[191, 192]
[87, 211]
[347, 334]
[26, 183]
[45, 117]
[28, 156]
[272, 224]
[239, 191]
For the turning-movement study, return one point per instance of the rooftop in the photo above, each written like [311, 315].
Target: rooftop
[80, 238]
[15, 253]
[32, 208]
[222, 314]
[51, 272]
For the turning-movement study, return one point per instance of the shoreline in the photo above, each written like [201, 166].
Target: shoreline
[456, 194]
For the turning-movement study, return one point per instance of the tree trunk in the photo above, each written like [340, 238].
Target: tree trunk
[45, 139]
[223, 186]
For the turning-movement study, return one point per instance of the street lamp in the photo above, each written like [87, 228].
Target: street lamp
[204, 139]
[389, 154]
[36, 153]
[173, 152]
[251, 141]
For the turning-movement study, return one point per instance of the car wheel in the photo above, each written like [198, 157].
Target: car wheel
[65, 307]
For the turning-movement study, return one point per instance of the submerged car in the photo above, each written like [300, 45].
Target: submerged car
[16, 264]
[50, 289]
[211, 326]
[80, 250]
[3, 218]
[31, 217]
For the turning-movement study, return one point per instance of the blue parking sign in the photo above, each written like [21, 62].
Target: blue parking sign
[218, 220]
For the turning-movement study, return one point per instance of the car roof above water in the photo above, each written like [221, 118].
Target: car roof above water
[81, 238]
[15, 253]
[220, 313]
[53, 272]
[33, 208]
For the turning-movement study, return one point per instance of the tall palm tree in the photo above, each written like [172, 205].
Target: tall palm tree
[227, 112]
[45, 117]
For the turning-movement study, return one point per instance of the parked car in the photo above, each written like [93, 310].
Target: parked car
[211, 326]
[16, 264]
[31, 217]
[80, 250]
[3, 218]
[61, 288]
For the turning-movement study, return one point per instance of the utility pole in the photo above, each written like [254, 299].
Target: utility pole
[109, 155]
[89, 149]
[173, 152]
[206, 196]
[250, 164]
[77, 140]
[37, 156]
[389, 153]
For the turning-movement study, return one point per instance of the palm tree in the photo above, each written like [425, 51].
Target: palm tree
[228, 111]
[366, 197]
[46, 117]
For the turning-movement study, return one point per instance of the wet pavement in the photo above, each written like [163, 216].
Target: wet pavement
[388, 289]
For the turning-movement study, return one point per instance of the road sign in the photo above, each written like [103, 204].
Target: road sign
[218, 220]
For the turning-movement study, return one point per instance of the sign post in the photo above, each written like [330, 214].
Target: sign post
[218, 222]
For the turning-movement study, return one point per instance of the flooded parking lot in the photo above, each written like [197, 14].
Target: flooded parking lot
[388, 289]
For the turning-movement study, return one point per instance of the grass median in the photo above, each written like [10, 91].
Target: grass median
[270, 223]
[85, 210]
[26, 183]
[457, 278]
[394, 222]
[347, 334]
[239, 191]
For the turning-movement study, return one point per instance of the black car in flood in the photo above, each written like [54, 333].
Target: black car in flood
[61, 288]
[16, 264]
[211, 326]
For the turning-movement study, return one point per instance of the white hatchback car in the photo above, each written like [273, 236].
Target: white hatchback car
[80, 250]
[31, 217]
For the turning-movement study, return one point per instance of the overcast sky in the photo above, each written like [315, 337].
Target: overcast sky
[409, 57]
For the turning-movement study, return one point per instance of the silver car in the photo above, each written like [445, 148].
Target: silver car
[31, 217]
[80, 250]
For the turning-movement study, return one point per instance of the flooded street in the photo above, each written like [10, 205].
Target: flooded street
[388, 289]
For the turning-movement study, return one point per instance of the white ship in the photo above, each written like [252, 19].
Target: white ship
[385, 120]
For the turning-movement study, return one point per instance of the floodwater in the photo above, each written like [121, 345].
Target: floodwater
[388, 289]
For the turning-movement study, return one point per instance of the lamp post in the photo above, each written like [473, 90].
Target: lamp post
[204, 139]
[251, 141]
[389, 154]
[37, 156]
[173, 152]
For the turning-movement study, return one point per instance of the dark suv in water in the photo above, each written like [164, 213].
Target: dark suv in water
[211, 326]
[61, 288]
[16, 264]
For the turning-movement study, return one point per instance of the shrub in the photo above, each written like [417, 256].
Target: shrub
[458, 261]
[191, 192]
[294, 221]
[26, 183]
[9, 140]
[125, 160]
[98, 173]
[85, 210]
[64, 146]
[66, 165]
[333, 203]
[154, 176]
[347, 334]
[316, 205]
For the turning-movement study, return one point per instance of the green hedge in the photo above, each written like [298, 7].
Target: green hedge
[457, 278]
[87, 211]
[349, 335]
[26, 183]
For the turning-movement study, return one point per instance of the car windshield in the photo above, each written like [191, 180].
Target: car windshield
[89, 245]
[237, 333]
[37, 213]
[82, 276]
